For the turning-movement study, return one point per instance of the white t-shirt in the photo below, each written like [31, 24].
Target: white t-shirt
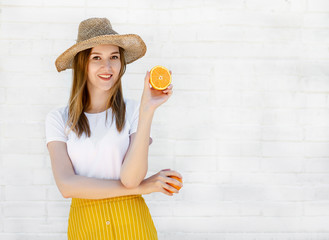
[101, 155]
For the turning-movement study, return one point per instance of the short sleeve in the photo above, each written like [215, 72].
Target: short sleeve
[134, 120]
[55, 127]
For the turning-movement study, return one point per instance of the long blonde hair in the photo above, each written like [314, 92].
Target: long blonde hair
[80, 99]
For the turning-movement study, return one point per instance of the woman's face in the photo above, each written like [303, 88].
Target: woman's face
[103, 67]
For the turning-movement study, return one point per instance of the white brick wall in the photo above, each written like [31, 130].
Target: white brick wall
[247, 126]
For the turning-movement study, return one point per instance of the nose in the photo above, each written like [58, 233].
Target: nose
[107, 64]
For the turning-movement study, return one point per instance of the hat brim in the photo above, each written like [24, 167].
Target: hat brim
[133, 45]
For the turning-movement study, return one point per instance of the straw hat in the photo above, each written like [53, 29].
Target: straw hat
[96, 31]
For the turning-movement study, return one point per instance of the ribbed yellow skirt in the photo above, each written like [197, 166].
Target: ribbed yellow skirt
[125, 217]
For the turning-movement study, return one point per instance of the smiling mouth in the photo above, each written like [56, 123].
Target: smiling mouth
[105, 77]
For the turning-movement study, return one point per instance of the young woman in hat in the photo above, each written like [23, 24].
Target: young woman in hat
[98, 144]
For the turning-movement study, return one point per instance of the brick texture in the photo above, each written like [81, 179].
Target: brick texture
[247, 125]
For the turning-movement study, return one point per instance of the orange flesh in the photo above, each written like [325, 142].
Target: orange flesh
[160, 77]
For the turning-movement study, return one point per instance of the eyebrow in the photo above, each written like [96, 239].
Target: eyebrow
[101, 53]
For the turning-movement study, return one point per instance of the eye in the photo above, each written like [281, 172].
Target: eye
[115, 57]
[96, 58]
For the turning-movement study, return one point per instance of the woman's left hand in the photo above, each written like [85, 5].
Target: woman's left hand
[152, 98]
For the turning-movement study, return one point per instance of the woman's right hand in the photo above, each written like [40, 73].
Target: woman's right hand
[159, 182]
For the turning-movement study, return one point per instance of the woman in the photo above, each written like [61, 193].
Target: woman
[100, 161]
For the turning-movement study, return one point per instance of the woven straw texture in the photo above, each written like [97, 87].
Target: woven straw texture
[97, 31]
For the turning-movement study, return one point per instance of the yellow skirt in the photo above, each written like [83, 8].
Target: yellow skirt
[125, 217]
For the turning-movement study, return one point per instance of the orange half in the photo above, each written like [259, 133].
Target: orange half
[160, 77]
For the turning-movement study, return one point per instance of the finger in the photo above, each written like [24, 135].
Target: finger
[170, 87]
[167, 91]
[167, 95]
[170, 188]
[147, 79]
[162, 173]
[164, 191]
[163, 186]
[174, 182]
[172, 173]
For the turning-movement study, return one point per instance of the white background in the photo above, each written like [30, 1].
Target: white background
[247, 125]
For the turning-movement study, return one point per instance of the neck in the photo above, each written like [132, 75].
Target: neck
[98, 100]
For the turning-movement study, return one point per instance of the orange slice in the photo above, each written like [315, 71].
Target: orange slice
[160, 77]
[177, 187]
